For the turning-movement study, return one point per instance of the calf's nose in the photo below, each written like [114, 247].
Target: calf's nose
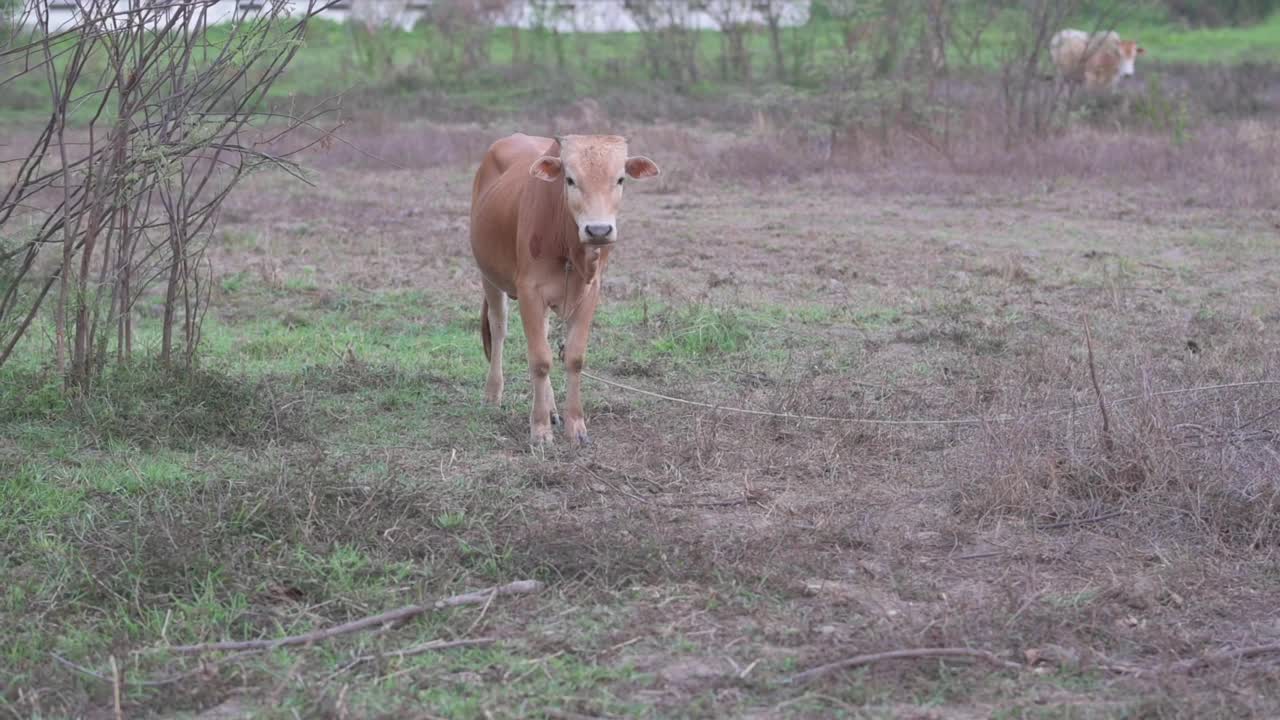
[599, 232]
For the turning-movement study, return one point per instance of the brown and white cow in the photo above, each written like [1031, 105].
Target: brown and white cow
[1100, 60]
[544, 217]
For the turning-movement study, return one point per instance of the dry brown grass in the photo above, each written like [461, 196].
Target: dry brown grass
[861, 287]
[1170, 137]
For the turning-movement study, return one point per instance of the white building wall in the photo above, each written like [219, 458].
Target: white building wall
[564, 16]
[620, 15]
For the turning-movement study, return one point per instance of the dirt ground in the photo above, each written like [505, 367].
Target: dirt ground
[697, 561]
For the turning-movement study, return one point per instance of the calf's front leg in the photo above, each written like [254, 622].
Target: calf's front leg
[575, 356]
[533, 314]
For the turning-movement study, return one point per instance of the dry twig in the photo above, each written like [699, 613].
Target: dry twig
[115, 689]
[1193, 664]
[1081, 521]
[419, 649]
[520, 587]
[1097, 388]
[858, 660]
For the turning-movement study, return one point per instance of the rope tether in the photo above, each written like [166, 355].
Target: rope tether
[956, 421]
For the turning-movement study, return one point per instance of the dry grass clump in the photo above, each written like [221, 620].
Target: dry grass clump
[1191, 480]
[1153, 138]
[380, 141]
[1232, 164]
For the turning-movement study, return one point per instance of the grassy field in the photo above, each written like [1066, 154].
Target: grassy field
[1173, 44]
[426, 71]
[332, 459]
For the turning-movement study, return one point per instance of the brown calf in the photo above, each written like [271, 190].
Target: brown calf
[543, 220]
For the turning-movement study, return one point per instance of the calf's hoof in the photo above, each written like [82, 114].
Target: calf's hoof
[540, 436]
[576, 431]
[493, 394]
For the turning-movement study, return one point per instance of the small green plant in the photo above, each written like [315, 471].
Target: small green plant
[305, 281]
[451, 520]
[234, 282]
[700, 330]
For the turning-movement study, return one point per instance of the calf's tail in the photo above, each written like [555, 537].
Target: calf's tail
[486, 334]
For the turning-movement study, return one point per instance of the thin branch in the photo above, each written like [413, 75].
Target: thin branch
[1107, 443]
[520, 587]
[115, 689]
[1082, 521]
[915, 654]
[1193, 664]
[1244, 653]
[419, 649]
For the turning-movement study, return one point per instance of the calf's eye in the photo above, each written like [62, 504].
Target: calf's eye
[569, 180]
[620, 180]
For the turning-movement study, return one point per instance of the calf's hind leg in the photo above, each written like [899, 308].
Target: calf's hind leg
[495, 334]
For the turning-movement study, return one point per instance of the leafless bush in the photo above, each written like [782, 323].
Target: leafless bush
[772, 12]
[1031, 106]
[1191, 467]
[149, 130]
[463, 30]
[370, 22]
[670, 41]
[734, 18]
[879, 88]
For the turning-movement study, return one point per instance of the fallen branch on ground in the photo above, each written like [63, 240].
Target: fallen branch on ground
[1243, 653]
[858, 660]
[1082, 521]
[520, 587]
[1193, 664]
[419, 649]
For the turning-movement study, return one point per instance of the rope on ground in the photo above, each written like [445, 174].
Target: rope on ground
[952, 421]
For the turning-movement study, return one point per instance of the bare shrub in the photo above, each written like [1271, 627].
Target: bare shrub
[734, 18]
[129, 198]
[670, 40]
[1188, 476]
[463, 30]
[369, 25]
[1031, 107]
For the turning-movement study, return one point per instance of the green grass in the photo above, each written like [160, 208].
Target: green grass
[1171, 43]
[421, 63]
[131, 468]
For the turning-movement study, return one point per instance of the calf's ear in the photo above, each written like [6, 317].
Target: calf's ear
[547, 168]
[641, 167]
